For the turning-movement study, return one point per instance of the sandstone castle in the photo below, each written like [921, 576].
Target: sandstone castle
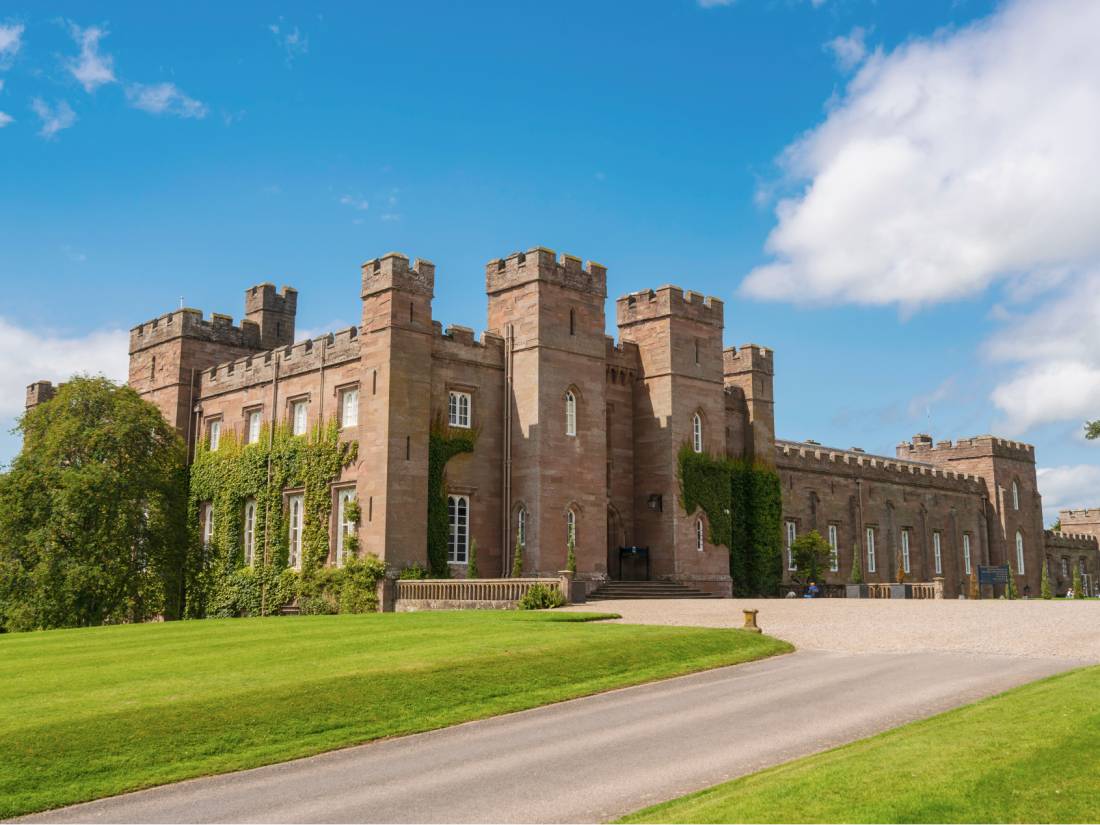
[579, 435]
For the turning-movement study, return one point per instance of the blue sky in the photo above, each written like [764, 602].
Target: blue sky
[844, 174]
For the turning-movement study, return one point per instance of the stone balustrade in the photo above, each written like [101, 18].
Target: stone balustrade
[467, 594]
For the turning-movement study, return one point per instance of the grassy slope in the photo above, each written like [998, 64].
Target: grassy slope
[1029, 755]
[93, 712]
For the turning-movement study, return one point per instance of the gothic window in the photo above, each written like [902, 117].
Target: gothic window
[570, 413]
[905, 550]
[1065, 567]
[458, 409]
[296, 522]
[966, 553]
[571, 526]
[834, 549]
[255, 419]
[792, 531]
[870, 549]
[697, 433]
[349, 407]
[1019, 553]
[937, 553]
[249, 531]
[1015, 496]
[521, 526]
[458, 514]
[344, 524]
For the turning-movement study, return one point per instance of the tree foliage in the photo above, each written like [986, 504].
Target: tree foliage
[812, 554]
[1078, 583]
[1044, 584]
[1010, 589]
[92, 512]
[444, 443]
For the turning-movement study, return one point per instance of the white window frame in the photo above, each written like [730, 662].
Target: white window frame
[905, 551]
[966, 553]
[296, 506]
[344, 526]
[697, 433]
[792, 534]
[521, 526]
[871, 566]
[299, 417]
[458, 533]
[214, 433]
[937, 551]
[570, 413]
[1015, 496]
[349, 407]
[249, 532]
[571, 527]
[1019, 553]
[207, 523]
[834, 548]
[699, 535]
[459, 407]
[255, 423]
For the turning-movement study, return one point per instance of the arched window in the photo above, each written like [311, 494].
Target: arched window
[570, 413]
[1019, 553]
[1015, 496]
[699, 535]
[571, 526]
[249, 531]
[697, 433]
[458, 514]
[521, 526]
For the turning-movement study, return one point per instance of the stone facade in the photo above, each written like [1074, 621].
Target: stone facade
[576, 431]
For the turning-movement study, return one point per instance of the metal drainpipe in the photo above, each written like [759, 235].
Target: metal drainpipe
[862, 530]
[506, 499]
[270, 445]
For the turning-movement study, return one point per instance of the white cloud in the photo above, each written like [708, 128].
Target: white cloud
[1055, 356]
[355, 202]
[849, 49]
[5, 119]
[1068, 487]
[291, 40]
[948, 164]
[90, 68]
[11, 40]
[164, 99]
[53, 119]
[27, 356]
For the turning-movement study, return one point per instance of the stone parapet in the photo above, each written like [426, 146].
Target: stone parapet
[671, 302]
[921, 448]
[189, 323]
[541, 264]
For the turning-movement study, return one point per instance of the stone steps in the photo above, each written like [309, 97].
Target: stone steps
[646, 590]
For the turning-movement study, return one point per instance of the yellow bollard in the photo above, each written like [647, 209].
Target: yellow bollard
[750, 620]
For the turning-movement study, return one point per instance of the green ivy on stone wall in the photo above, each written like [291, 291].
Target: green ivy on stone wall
[444, 443]
[744, 508]
[220, 583]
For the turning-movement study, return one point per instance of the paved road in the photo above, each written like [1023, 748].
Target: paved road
[591, 759]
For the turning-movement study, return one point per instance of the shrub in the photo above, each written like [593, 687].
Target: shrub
[358, 592]
[413, 571]
[471, 561]
[811, 554]
[1010, 589]
[541, 597]
[1078, 585]
[1044, 584]
[857, 566]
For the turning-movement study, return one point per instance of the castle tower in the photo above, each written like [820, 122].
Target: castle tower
[1008, 468]
[550, 311]
[395, 407]
[168, 354]
[750, 372]
[273, 312]
[679, 400]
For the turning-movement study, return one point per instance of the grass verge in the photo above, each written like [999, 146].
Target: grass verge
[1028, 755]
[97, 711]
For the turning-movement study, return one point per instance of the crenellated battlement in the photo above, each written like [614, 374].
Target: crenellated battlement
[977, 447]
[1086, 515]
[747, 358]
[304, 356]
[1057, 540]
[815, 457]
[542, 264]
[40, 392]
[189, 323]
[669, 302]
[392, 271]
[459, 342]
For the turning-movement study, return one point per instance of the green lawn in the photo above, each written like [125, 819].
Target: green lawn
[1029, 755]
[93, 712]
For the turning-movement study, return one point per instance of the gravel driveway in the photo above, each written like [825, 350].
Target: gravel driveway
[1034, 628]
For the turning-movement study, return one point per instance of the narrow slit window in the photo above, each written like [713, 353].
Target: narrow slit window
[870, 549]
[295, 524]
[699, 535]
[792, 532]
[249, 531]
[834, 549]
[697, 433]
[937, 553]
[570, 413]
[905, 550]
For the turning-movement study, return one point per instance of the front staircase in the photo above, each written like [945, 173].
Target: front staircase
[646, 590]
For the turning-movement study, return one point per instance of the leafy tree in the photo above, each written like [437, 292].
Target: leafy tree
[1010, 588]
[857, 566]
[1057, 525]
[93, 512]
[811, 554]
[517, 561]
[1044, 584]
[471, 562]
[1078, 584]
